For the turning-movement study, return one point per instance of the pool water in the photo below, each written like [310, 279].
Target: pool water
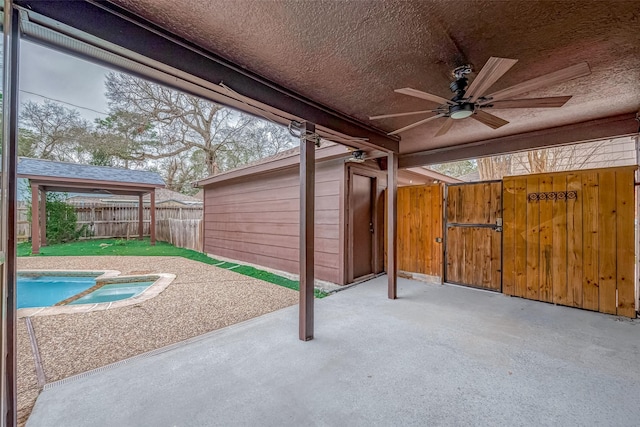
[113, 292]
[44, 291]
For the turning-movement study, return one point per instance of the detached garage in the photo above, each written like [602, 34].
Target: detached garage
[251, 214]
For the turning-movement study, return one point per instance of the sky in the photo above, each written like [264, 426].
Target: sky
[62, 78]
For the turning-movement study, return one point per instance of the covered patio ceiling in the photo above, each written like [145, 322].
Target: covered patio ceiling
[350, 56]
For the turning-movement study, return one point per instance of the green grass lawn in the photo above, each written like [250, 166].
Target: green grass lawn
[132, 247]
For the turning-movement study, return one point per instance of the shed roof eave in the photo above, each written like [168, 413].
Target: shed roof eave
[429, 173]
[322, 154]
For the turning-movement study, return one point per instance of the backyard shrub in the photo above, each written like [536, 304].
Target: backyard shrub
[62, 220]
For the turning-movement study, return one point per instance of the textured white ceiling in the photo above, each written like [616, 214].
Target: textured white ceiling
[350, 55]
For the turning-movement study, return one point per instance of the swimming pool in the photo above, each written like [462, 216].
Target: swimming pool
[47, 289]
[113, 292]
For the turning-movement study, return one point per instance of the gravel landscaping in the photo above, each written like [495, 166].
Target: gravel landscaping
[202, 298]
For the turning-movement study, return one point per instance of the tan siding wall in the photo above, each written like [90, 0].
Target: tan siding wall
[256, 220]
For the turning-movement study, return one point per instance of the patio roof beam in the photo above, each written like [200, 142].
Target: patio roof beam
[608, 127]
[120, 27]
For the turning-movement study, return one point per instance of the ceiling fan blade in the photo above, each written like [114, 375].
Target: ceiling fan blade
[411, 126]
[488, 119]
[490, 73]
[424, 95]
[445, 127]
[549, 102]
[386, 116]
[579, 70]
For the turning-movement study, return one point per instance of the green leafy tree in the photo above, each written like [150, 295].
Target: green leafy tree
[62, 220]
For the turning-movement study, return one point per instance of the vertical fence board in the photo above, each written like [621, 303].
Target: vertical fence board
[559, 249]
[575, 252]
[625, 208]
[509, 237]
[590, 299]
[467, 256]
[546, 239]
[425, 239]
[436, 218]
[607, 243]
[533, 242]
[495, 261]
[453, 264]
[520, 235]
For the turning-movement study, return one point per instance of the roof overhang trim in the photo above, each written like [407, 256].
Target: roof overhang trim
[609, 127]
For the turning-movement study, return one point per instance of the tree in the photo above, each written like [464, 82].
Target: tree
[118, 139]
[456, 169]
[51, 131]
[62, 220]
[494, 167]
[185, 125]
[181, 170]
[561, 158]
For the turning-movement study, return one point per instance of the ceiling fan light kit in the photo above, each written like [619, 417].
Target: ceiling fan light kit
[473, 102]
[461, 111]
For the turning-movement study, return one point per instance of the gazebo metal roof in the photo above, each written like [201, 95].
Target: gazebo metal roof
[73, 177]
[64, 176]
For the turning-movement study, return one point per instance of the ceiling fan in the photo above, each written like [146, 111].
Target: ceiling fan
[472, 101]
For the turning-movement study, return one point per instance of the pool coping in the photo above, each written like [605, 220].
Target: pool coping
[162, 280]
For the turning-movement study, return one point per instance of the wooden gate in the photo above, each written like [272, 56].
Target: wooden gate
[473, 215]
[569, 239]
[420, 229]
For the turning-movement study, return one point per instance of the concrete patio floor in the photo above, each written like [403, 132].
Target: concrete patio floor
[439, 355]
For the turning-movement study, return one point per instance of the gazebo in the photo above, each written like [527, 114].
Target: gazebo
[50, 176]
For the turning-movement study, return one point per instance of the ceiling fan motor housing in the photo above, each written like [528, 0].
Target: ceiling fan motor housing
[458, 87]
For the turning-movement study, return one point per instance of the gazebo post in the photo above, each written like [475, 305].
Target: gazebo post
[35, 219]
[152, 225]
[43, 217]
[140, 217]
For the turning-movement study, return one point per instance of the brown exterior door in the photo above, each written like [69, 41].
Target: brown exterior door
[473, 249]
[362, 228]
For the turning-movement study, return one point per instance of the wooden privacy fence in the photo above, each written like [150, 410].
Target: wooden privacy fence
[569, 239]
[173, 223]
[183, 233]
